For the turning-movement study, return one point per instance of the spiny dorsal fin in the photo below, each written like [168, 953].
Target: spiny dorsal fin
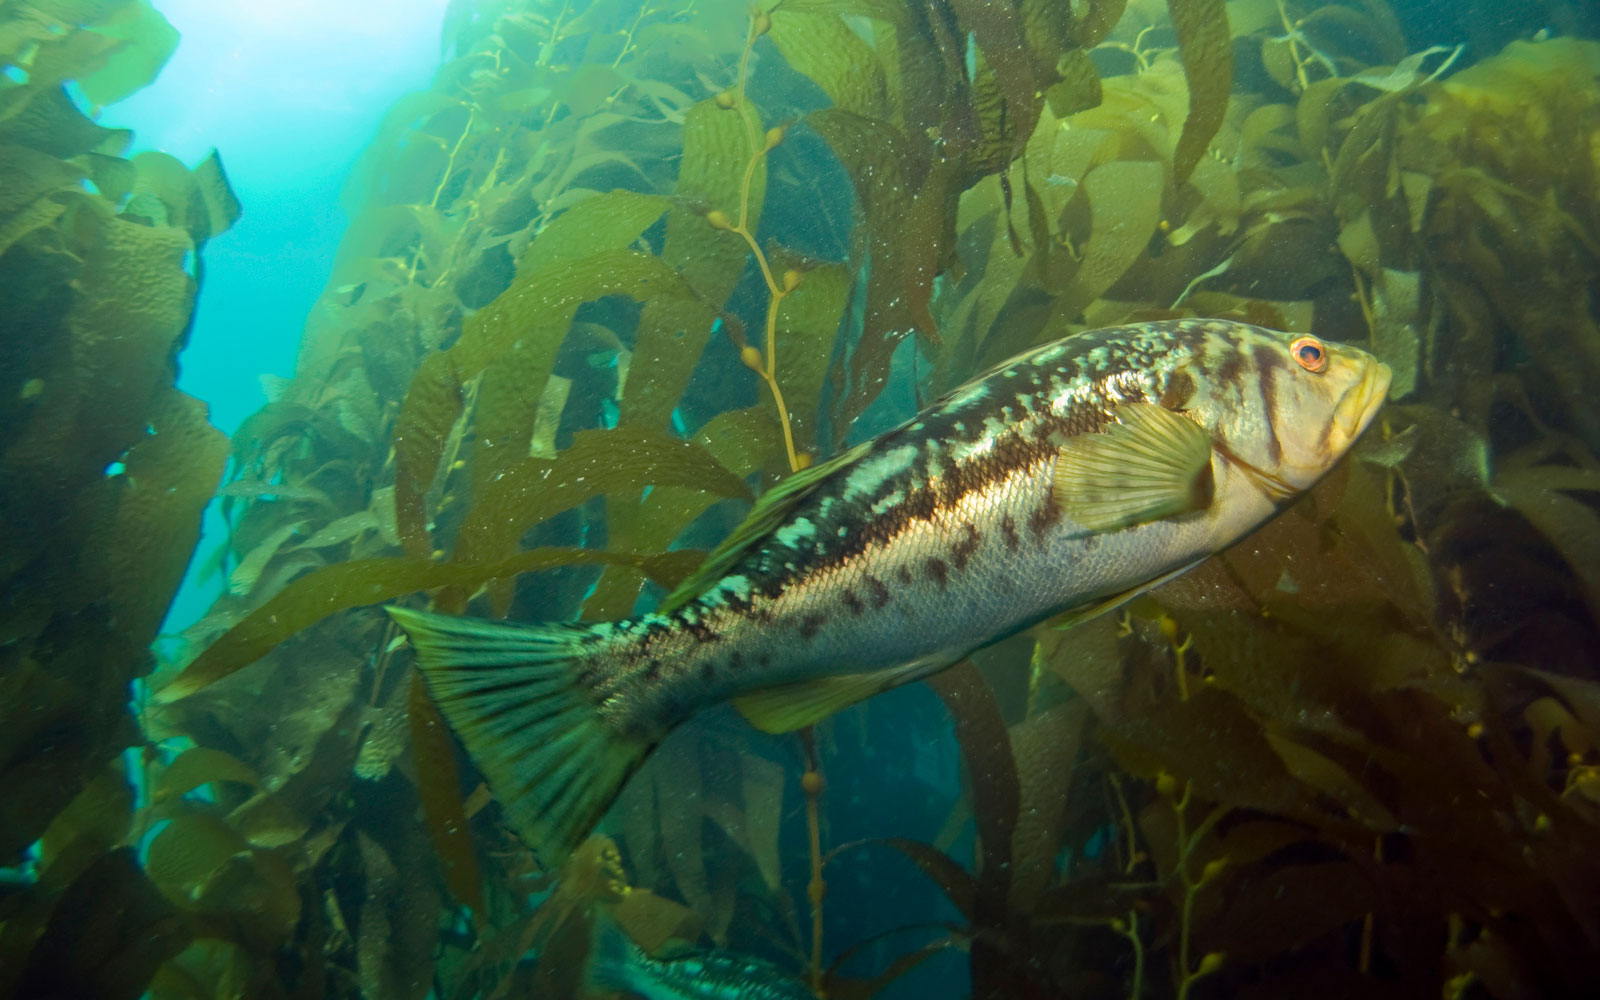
[767, 514]
[1151, 464]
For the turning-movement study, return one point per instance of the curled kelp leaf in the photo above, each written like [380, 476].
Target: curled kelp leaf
[1207, 50]
[142, 42]
[1125, 204]
[199, 766]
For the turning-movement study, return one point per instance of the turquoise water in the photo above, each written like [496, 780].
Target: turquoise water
[291, 93]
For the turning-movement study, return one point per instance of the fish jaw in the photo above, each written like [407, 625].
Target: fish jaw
[1359, 404]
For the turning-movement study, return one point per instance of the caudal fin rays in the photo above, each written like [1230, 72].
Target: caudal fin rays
[513, 695]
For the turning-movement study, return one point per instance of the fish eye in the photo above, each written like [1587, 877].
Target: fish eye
[1309, 354]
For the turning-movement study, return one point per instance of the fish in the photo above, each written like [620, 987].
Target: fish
[620, 966]
[1057, 486]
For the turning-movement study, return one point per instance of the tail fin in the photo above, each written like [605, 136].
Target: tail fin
[613, 959]
[512, 694]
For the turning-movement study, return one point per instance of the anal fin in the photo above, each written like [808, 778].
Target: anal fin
[788, 707]
[1077, 616]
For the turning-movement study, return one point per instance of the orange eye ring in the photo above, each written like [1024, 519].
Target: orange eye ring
[1309, 354]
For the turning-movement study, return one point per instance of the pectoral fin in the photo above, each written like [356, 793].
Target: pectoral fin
[1153, 463]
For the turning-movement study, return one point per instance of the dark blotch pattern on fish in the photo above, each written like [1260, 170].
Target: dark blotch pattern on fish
[1008, 531]
[1021, 419]
[878, 590]
[1267, 365]
[962, 552]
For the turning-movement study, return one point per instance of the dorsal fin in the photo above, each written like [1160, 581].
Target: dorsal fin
[767, 515]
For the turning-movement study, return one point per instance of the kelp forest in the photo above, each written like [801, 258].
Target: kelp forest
[630, 262]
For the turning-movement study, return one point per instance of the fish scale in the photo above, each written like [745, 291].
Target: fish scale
[1067, 479]
[953, 508]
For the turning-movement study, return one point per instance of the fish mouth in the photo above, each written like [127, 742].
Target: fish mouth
[1359, 405]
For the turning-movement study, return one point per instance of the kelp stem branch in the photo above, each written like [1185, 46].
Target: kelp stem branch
[768, 370]
[812, 783]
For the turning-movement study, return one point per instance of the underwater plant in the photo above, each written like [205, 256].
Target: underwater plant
[629, 263]
[106, 468]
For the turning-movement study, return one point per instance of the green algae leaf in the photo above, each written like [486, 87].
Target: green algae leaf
[991, 766]
[1329, 777]
[503, 415]
[360, 582]
[1544, 495]
[78, 11]
[675, 324]
[718, 144]
[429, 411]
[107, 934]
[1291, 905]
[1092, 21]
[610, 221]
[762, 794]
[958, 884]
[70, 56]
[1079, 88]
[743, 441]
[198, 766]
[31, 219]
[1047, 28]
[1125, 206]
[621, 461]
[822, 47]
[998, 32]
[243, 579]
[171, 475]
[439, 789]
[998, 139]
[219, 207]
[200, 201]
[906, 237]
[808, 324]
[534, 313]
[189, 851]
[144, 42]
[341, 530]
[29, 175]
[1207, 50]
[1212, 741]
[1045, 747]
[47, 120]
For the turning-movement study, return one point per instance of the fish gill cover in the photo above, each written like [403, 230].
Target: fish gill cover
[1354, 755]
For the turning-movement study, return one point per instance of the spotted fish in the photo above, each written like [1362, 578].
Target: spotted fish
[620, 966]
[1066, 480]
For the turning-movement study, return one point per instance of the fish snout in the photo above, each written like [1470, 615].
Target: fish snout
[1359, 404]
